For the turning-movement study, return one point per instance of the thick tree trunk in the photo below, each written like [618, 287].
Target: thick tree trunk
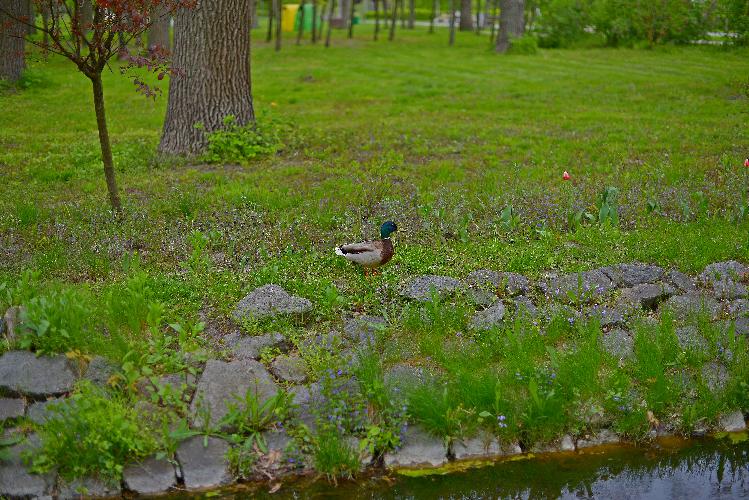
[12, 44]
[411, 14]
[158, 33]
[434, 15]
[106, 147]
[466, 19]
[511, 23]
[314, 21]
[331, 11]
[452, 22]
[212, 55]
[351, 19]
[271, 13]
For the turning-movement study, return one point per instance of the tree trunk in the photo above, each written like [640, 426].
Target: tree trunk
[345, 8]
[106, 147]
[85, 14]
[300, 28]
[393, 20]
[411, 14]
[466, 19]
[271, 13]
[377, 18]
[434, 14]
[331, 11]
[314, 21]
[351, 19]
[478, 17]
[278, 5]
[158, 33]
[511, 23]
[212, 55]
[31, 12]
[452, 22]
[12, 43]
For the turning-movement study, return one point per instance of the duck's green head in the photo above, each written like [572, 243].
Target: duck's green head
[387, 229]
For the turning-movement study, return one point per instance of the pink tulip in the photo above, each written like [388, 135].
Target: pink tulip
[566, 175]
[746, 163]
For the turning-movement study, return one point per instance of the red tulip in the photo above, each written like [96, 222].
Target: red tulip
[746, 163]
[566, 175]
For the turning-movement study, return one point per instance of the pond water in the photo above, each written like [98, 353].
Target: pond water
[703, 469]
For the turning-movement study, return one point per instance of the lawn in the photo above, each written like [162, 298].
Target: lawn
[463, 148]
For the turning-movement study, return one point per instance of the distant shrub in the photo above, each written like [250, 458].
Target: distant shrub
[239, 144]
[563, 22]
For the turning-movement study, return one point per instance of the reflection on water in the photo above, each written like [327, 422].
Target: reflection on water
[694, 470]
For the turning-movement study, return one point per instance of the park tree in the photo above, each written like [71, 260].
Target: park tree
[90, 43]
[466, 19]
[12, 38]
[511, 23]
[212, 51]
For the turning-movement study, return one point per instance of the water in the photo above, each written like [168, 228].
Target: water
[690, 470]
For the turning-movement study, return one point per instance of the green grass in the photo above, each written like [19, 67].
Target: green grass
[442, 140]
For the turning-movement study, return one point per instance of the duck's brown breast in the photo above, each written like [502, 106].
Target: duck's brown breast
[387, 251]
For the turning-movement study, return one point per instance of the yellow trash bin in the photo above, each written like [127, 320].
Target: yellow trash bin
[288, 16]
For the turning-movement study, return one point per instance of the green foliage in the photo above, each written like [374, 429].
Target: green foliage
[334, 457]
[249, 417]
[93, 433]
[563, 22]
[240, 144]
[524, 45]
[607, 209]
[58, 321]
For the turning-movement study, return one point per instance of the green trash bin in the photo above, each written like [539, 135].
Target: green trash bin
[307, 17]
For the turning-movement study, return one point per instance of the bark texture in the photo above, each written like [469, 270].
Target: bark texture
[466, 19]
[511, 23]
[12, 44]
[158, 33]
[212, 54]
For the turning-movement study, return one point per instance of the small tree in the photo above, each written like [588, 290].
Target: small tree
[90, 44]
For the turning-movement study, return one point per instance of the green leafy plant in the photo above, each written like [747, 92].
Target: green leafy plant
[509, 219]
[239, 144]
[93, 433]
[334, 457]
[249, 417]
[607, 209]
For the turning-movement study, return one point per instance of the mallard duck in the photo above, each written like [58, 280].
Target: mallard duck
[371, 254]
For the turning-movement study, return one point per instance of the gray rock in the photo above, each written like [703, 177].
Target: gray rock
[566, 443]
[204, 466]
[525, 307]
[511, 284]
[363, 330]
[149, 477]
[579, 287]
[39, 411]
[402, 375]
[22, 372]
[741, 326]
[732, 422]
[604, 436]
[87, 487]
[418, 449]
[11, 408]
[289, 369]
[636, 273]
[690, 339]
[725, 279]
[646, 296]
[270, 300]
[483, 445]
[618, 343]
[609, 316]
[738, 308]
[715, 376]
[15, 479]
[480, 297]
[489, 317]
[301, 395]
[354, 443]
[277, 441]
[9, 323]
[244, 347]
[222, 383]
[100, 370]
[421, 287]
[681, 281]
[686, 305]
